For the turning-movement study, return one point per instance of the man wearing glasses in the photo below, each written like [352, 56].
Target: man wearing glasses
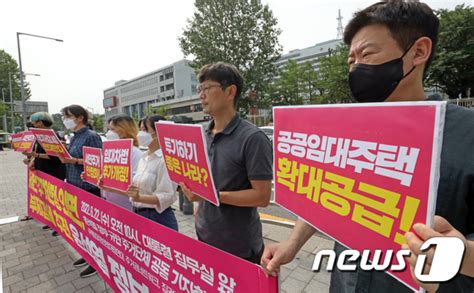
[241, 162]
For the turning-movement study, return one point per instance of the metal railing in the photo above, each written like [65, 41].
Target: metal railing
[463, 102]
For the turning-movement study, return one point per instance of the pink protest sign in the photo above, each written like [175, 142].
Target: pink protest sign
[116, 170]
[134, 254]
[50, 142]
[186, 158]
[16, 141]
[92, 164]
[360, 172]
[24, 141]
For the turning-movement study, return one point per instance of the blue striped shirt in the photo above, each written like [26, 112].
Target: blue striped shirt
[83, 137]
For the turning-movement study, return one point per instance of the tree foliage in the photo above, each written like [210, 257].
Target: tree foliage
[334, 77]
[300, 84]
[4, 109]
[58, 122]
[240, 32]
[452, 69]
[8, 66]
[98, 122]
[296, 84]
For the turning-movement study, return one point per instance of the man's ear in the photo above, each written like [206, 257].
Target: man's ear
[422, 51]
[231, 92]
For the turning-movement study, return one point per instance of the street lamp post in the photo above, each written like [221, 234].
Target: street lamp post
[11, 101]
[5, 113]
[22, 86]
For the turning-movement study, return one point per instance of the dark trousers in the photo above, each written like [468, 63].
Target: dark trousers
[166, 218]
[94, 191]
[255, 257]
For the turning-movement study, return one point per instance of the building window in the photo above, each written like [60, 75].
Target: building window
[169, 75]
[142, 109]
[169, 86]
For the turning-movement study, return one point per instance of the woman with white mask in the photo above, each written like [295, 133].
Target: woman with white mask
[122, 127]
[152, 192]
[75, 119]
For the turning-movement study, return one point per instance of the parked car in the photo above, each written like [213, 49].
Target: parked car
[5, 139]
[268, 130]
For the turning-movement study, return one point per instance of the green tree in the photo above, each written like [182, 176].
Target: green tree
[58, 122]
[287, 88]
[161, 110]
[4, 109]
[295, 85]
[310, 81]
[334, 77]
[452, 69]
[98, 122]
[241, 32]
[9, 67]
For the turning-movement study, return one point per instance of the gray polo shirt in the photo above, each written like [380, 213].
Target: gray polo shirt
[238, 154]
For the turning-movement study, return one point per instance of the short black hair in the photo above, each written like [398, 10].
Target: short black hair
[224, 73]
[407, 21]
[76, 111]
[142, 122]
[152, 119]
[46, 123]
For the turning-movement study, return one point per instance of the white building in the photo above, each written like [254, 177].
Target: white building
[166, 86]
[310, 54]
[174, 86]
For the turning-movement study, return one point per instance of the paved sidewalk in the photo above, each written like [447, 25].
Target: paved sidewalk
[32, 260]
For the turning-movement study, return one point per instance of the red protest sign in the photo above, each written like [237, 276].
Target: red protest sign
[116, 163]
[50, 142]
[92, 164]
[361, 171]
[24, 141]
[185, 152]
[134, 254]
[16, 141]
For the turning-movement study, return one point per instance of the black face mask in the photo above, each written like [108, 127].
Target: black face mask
[375, 83]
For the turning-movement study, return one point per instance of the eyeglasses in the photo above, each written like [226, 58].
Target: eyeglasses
[200, 88]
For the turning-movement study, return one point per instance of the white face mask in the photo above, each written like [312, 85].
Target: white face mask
[69, 123]
[112, 135]
[144, 138]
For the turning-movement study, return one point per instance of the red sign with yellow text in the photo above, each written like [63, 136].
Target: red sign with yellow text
[23, 141]
[116, 162]
[50, 142]
[92, 164]
[16, 141]
[185, 152]
[363, 173]
[134, 254]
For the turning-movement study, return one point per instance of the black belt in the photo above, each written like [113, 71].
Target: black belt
[137, 210]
